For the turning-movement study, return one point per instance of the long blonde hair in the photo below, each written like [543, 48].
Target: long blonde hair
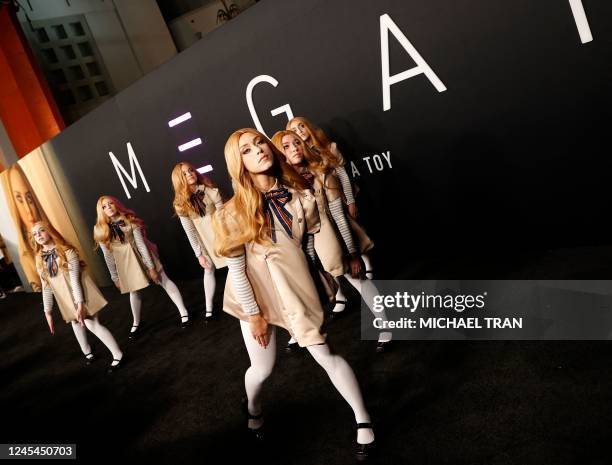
[61, 247]
[246, 208]
[319, 140]
[182, 195]
[102, 230]
[314, 161]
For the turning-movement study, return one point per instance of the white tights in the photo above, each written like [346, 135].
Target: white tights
[361, 284]
[339, 372]
[173, 292]
[101, 331]
[210, 284]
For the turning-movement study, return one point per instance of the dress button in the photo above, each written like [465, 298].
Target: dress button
[299, 220]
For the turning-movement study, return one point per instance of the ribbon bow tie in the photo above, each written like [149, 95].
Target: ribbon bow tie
[49, 258]
[274, 202]
[197, 200]
[116, 231]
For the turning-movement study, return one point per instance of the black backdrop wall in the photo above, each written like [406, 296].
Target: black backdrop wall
[512, 155]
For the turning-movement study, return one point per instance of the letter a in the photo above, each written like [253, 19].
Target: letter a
[386, 25]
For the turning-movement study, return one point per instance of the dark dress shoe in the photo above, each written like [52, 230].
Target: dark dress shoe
[137, 332]
[113, 368]
[256, 434]
[363, 451]
[89, 359]
[292, 348]
[382, 347]
[185, 321]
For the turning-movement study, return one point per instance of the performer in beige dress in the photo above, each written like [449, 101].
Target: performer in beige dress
[263, 231]
[334, 224]
[318, 142]
[131, 258]
[79, 300]
[196, 198]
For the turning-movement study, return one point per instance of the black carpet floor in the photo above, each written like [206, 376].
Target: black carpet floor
[177, 400]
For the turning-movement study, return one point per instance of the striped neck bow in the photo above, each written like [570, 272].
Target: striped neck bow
[197, 201]
[275, 201]
[50, 259]
[116, 231]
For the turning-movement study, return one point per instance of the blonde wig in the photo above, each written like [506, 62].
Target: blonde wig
[182, 195]
[318, 139]
[61, 247]
[102, 231]
[245, 208]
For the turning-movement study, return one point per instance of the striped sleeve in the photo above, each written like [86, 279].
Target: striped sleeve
[110, 262]
[47, 295]
[75, 276]
[142, 247]
[347, 188]
[337, 212]
[242, 286]
[310, 248]
[192, 235]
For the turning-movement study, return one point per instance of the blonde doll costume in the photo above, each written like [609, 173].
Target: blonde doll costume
[128, 260]
[274, 279]
[198, 228]
[278, 274]
[70, 286]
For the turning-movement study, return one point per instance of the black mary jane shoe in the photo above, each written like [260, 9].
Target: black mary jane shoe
[185, 321]
[208, 317]
[256, 434]
[363, 451]
[89, 360]
[383, 347]
[292, 348]
[137, 332]
[121, 364]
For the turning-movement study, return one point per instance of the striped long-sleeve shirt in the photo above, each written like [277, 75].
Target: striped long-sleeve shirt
[338, 214]
[74, 273]
[143, 250]
[192, 233]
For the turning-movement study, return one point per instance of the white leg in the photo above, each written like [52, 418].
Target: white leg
[361, 284]
[102, 333]
[210, 284]
[344, 380]
[136, 304]
[262, 363]
[81, 337]
[173, 292]
[368, 266]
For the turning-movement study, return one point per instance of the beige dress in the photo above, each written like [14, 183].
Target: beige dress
[62, 291]
[279, 275]
[130, 265]
[203, 224]
[326, 188]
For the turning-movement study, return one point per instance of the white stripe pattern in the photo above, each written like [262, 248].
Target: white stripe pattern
[142, 247]
[347, 188]
[192, 235]
[47, 295]
[75, 279]
[242, 286]
[110, 262]
[337, 211]
[310, 248]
